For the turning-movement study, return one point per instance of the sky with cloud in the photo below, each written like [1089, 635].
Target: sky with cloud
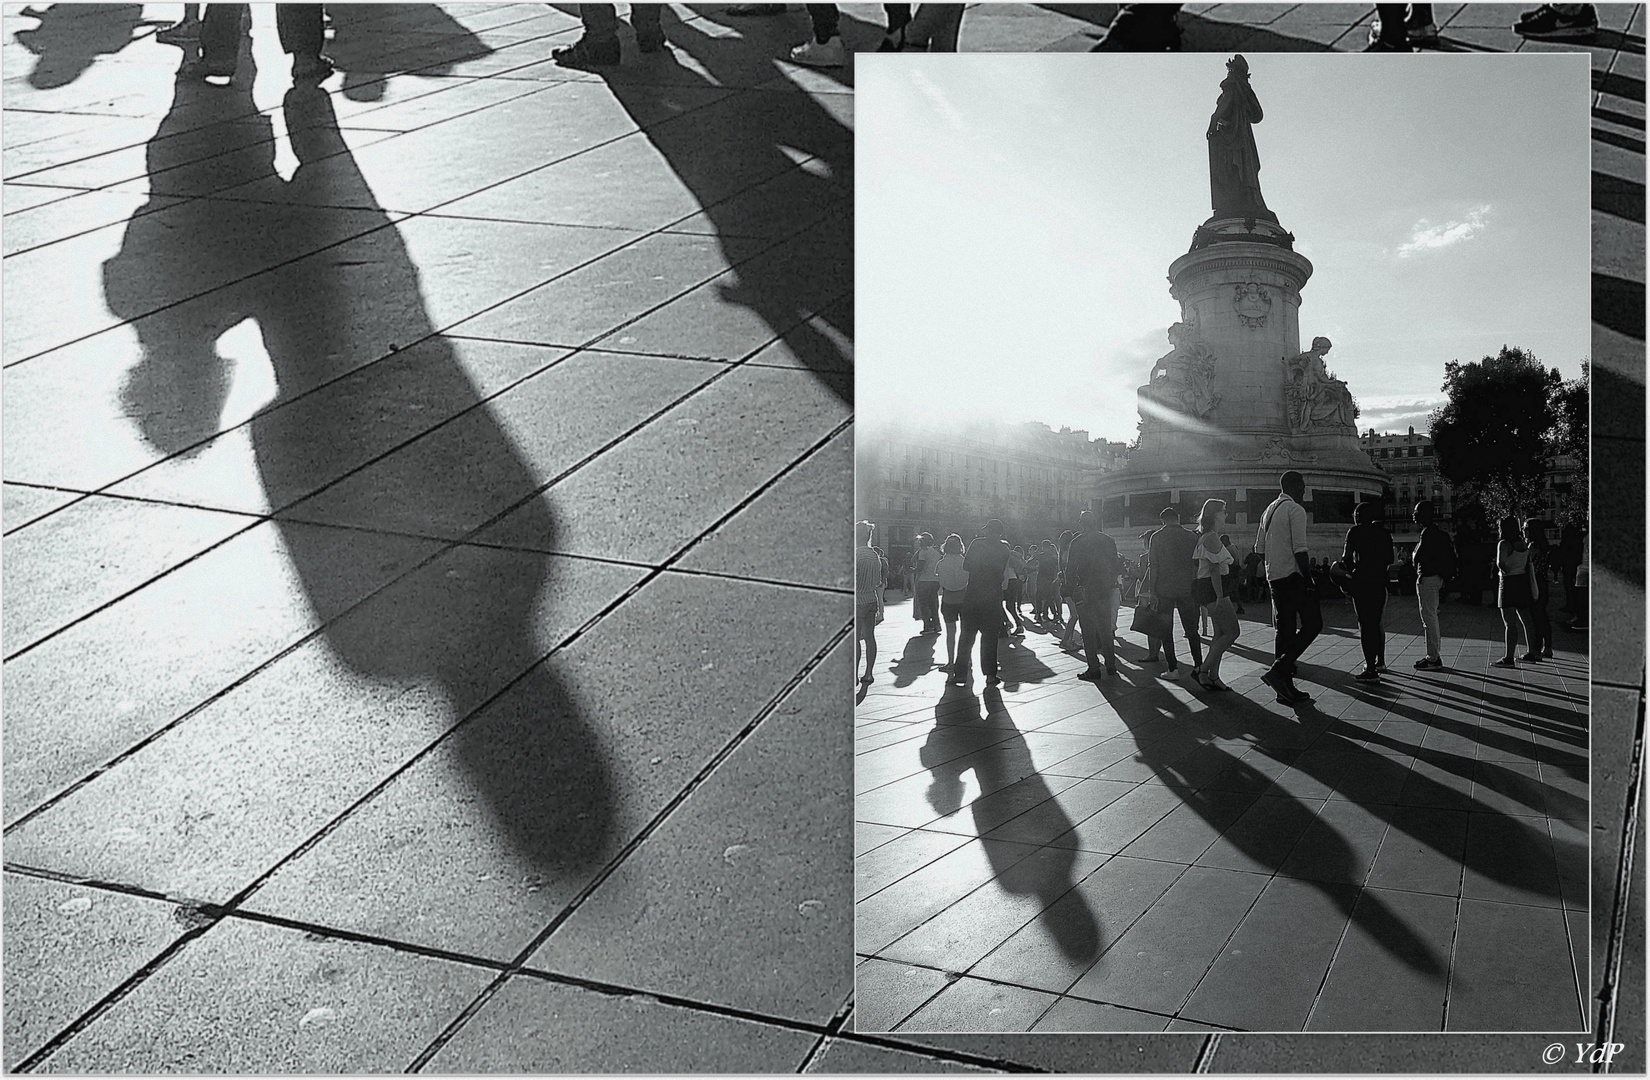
[1017, 214]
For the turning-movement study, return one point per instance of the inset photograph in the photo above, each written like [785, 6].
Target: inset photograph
[1222, 548]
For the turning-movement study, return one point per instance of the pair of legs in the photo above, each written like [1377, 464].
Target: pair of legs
[1298, 619]
[601, 22]
[1396, 24]
[865, 638]
[1369, 601]
[1226, 628]
[984, 623]
[1541, 641]
[1011, 605]
[300, 27]
[1510, 619]
[1427, 590]
[1187, 607]
[1098, 618]
[950, 610]
[928, 605]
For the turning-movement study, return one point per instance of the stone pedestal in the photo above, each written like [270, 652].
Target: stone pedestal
[1215, 415]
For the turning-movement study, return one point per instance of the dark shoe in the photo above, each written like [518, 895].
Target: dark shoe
[754, 9]
[650, 41]
[1093, 674]
[1274, 678]
[585, 54]
[1546, 23]
[1368, 675]
[1532, 657]
[1505, 661]
[1429, 663]
[183, 32]
[1384, 46]
[311, 68]
[1546, 654]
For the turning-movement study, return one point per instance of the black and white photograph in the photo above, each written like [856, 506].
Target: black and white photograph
[1240, 685]
[442, 558]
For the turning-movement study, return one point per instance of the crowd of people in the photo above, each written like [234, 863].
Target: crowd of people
[977, 591]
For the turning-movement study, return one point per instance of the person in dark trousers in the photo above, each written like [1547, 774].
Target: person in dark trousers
[982, 608]
[1142, 28]
[1512, 595]
[868, 585]
[1567, 558]
[1092, 568]
[1400, 27]
[598, 46]
[1170, 577]
[1367, 556]
[1295, 612]
[301, 29]
[1541, 626]
[1433, 565]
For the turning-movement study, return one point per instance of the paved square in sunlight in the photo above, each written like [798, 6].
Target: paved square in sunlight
[1130, 855]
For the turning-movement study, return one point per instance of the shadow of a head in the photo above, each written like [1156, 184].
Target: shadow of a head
[372, 42]
[71, 37]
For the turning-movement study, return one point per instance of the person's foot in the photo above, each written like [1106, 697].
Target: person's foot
[1111, 671]
[1532, 657]
[311, 67]
[1151, 659]
[182, 32]
[1547, 23]
[1380, 665]
[1171, 673]
[820, 54]
[1505, 661]
[650, 41]
[1546, 654]
[1368, 675]
[585, 53]
[1297, 696]
[754, 9]
[1141, 31]
[1274, 678]
[1092, 674]
[1216, 684]
[1385, 46]
[214, 73]
[1429, 663]
[1421, 33]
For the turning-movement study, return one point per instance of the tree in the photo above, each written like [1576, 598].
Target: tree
[1570, 436]
[1493, 438]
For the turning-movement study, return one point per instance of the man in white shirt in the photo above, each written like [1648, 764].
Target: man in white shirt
[1282, 541]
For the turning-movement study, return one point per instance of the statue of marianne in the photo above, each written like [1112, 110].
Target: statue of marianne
[1234, 163]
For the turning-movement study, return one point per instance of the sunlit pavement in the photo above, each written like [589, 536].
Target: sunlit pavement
[426, 545]
[1144, 855]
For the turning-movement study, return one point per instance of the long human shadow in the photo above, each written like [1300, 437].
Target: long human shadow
[916, 661]
[949, 751]
[371, 42]
[71, 37]
[722, 151]
[459, 629]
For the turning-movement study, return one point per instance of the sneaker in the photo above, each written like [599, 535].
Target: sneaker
[651, 41]
[1276, 681]
[1429, 663]
[814, 54]
[585, 53]
[1171, 673]
[1532, 657]
[1505, 661]
[1093, 674]
[1547, 23]
[311, 68]
[1368, 675]
[1384, 46]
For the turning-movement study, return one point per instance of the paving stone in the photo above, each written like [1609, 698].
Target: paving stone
[1421, 851]
[1115, 827]
[1384, 978]
[680, 467]
[536, 1026]
[822, 343]
[1531, 988]
[1160, 959]
[24, 505]
[1189, 829]
[844, 1056]
[869, 836]
[910, 851]
[1261, 840]
[813, 189]
[955, 939]
[975, 1005]
[1510, 859]
[886, 993]
[739, 897]
[192, 814]
[1267, 976]
[459, 476]
[886, 915]
[577, 308]
[531, 798]
[66, 947]
[1074, 1014]
[1056, 949]
[173, 645]
[16, 198]
[65, 218]
[1339, 845]
[247, 997]
[1055, 1052]
[80, 559]
[1055, 817]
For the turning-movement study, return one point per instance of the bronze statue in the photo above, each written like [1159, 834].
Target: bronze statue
[1234, 163]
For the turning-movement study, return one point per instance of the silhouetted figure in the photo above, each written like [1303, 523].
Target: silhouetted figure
[1433, 564]
[1282, 540]
[1092, 570]
[302, 32]
[982, 608]
[1234, 162]
[1142, 28]
[1170, 584]
[1367, 555]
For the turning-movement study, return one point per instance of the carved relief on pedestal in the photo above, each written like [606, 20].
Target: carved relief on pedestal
[1315, 401]
[1182, 380]
[1274, 452]
[1252, 303]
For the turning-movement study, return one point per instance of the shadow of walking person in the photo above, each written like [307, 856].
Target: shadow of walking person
[773, 165]
[71, 37]
[1009, 782]
[460, 628]
[374, 41]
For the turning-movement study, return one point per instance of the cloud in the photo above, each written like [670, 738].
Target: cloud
[1396, 414]
[1429, 237]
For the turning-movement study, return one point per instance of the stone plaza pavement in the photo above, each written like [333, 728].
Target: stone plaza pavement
[426, 550]
[1143, 855]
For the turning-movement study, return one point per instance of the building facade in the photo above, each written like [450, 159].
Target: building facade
[952, 478]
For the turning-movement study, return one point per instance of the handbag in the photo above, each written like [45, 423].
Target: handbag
[1151, 622]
